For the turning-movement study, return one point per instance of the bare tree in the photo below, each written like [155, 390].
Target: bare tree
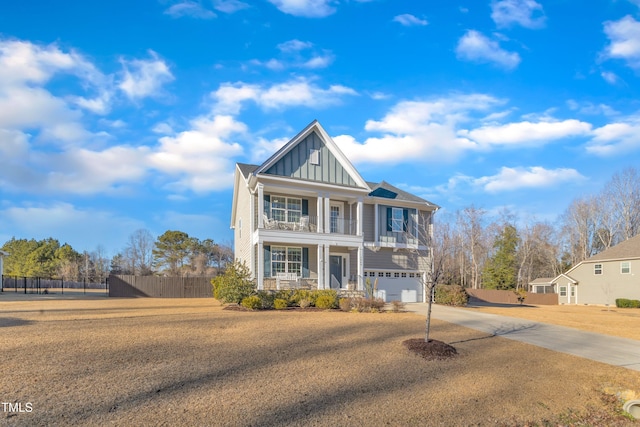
[472, 238]
[138, 253]
[579, 229]
[623, 194]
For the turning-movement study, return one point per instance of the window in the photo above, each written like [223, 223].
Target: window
[286, 260]
[404, 274]
[380, 274]
[396, 274]
[625, 267]
[387, 274]
[573, 291]
[335, 224]
[240, 227]
[397, 219]
[286, 209]
[597, 269]
[412, 275]
[563, 291]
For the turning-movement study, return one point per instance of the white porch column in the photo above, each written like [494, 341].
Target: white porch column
[320, 266]
[327, 213]
[376, 232]
[360, 268]
[327, 272]
[260, 267]
[320, 219]
[359, 217]
[260, 206]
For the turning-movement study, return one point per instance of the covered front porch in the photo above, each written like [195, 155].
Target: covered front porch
[287, 265]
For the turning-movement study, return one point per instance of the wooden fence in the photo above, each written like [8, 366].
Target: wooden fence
[160, 287]
[509, 297]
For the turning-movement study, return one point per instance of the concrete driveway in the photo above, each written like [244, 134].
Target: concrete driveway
[615, 351]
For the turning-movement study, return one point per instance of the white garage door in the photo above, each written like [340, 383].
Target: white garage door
[402, 286]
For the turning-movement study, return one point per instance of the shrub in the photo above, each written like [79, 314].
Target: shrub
[327, 301]
[328, 295]
[345, 304]
[234, 284]
[266, 299]
[373, 305]
[280, 304]
[451, 295]
[397, 306]
[627, 303]
[285, 294]
[252, 302]
[304, 303]
[302, 294]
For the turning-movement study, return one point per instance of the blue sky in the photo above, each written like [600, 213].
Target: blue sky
[121, 115]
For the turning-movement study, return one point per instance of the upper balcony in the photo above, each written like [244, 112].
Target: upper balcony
[308, 214]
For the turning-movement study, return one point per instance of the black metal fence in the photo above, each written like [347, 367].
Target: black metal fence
[160, 287]
[40, 285]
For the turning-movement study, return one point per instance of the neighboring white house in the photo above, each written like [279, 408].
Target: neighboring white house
[305, 217]
[2, 255]
[601, 279]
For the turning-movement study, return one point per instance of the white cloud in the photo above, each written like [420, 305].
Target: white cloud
[191, 9]
[199, 159]
[300, 92]
[510, 179]
[409, 20]
[229, 6]
[476, 47]
[143, 78]
[527, 132]
[526, 13]
[616, 138]
[610, 77]
[624, 37]
[591, 108]
[306, 8]
[297, 54]
[425, 130]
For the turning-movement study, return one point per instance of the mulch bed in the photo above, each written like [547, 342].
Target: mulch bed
[238, 307]
[430, 350]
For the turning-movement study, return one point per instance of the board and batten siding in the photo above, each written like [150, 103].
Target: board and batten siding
[296, 164]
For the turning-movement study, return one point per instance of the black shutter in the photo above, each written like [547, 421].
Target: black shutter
[267, 261]
[389, 219]
[305, 262]
[405, 219]
[305, 207]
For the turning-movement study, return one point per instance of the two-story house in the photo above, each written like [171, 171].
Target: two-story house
[305, 217]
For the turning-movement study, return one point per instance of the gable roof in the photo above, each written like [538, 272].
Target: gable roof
[341, 169]
[387, 191]
[542, 281]
[630, 248]
[246, 169]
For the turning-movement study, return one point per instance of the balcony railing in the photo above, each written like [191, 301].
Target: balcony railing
[394, 238]
[309, 224]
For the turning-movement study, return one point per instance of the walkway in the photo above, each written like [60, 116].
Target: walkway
[616, 351]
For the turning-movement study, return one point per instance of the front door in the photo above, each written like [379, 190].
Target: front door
[335, 271]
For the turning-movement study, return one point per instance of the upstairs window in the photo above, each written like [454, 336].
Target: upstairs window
[397, 219]
[597, 269]
[625, 267]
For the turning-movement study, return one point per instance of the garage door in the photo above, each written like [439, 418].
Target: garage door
[402, 286]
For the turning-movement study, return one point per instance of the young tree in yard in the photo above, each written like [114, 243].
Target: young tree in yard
[500, 271]
[430, 257]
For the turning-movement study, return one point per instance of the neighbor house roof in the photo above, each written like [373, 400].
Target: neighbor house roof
[542, 281]
[247, 169]
[630, 248]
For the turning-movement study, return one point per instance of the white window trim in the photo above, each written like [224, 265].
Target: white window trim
[286, 209]
[394, 220]
[628, 267]
[286, 260]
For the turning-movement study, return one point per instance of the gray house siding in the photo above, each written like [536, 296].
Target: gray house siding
[296, 164]
[368, 222]
[605, 288]
[242, 227]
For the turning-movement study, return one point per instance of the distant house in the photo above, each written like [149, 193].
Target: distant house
[542, 285]
[601, 279]
[306, 218]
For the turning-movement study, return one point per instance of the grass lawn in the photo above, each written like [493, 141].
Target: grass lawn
[99, 361]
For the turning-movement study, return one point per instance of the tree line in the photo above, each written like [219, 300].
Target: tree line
[174, 253]
[505, 252]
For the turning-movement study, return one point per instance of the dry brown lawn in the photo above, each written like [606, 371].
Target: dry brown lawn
[620, 322]
[189, 362]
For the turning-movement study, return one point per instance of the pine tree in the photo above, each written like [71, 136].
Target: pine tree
[501, 269]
